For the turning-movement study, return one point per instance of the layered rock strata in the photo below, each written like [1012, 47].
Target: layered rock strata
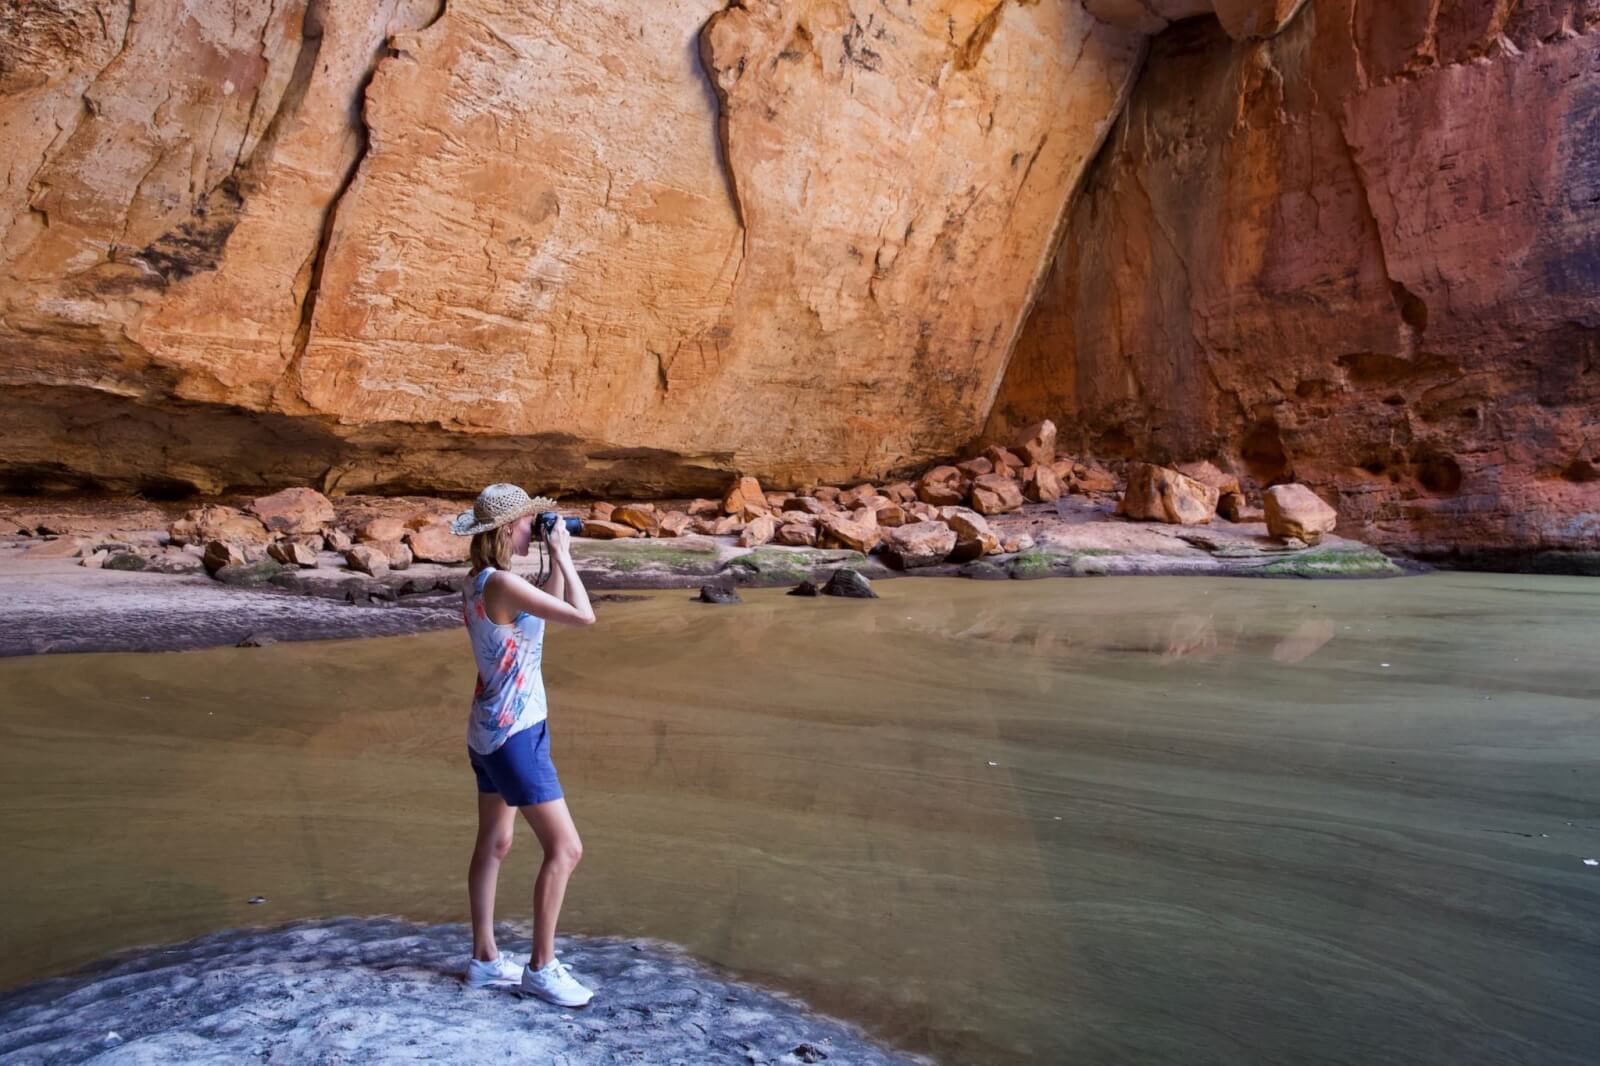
[394, 245]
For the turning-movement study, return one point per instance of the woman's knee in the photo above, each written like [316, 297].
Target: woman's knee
[496, 847]
[568, 851]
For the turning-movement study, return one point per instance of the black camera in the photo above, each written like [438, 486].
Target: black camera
[546, 521]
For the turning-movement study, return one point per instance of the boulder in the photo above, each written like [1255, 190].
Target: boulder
[294, 510]
[674, 524]
[891, 514]
[1161, 494]
[337, 540]
[775, 500]
[1003, 458]
[825, 493]
[221, 553]
[900, 491]
[1088, 478]
[757, 531]
[702, 508]
[1206, 472]
[907, 547]
[644, 519]
[744, 499]
[436, 544]
[805, 588]
[1295, 511]
[1231, 505]
[940, 486]
[600, 529]
[727, 526]
[396, 551]
[293, 553]
[600, 510]
[94, 560]
[974, 538]
[975, 468]
[1036, 445]
[849, 583]
[1040, 484]
[837, 531]
[797, 535]
[1019, 543]
[381, 528]
[996, 494]
[216, 522]
[367, 559]
[718, 594]
[850, 499]
[805, 504]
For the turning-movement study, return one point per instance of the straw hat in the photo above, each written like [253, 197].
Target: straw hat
[496, 505]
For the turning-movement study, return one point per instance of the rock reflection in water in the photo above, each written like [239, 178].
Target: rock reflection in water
[1119, 819]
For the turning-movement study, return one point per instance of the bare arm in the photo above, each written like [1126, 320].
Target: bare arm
[555, 584]
[572, 608]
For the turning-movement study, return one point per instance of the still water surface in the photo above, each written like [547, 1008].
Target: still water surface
[1112, 820]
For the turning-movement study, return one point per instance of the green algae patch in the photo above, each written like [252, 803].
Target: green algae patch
[780, 565]
[1333, 562]
[1043, 562]
[632, 555]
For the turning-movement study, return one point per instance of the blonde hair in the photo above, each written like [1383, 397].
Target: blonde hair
[492, 547]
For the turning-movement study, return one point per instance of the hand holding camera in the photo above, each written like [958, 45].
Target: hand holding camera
[556, 531]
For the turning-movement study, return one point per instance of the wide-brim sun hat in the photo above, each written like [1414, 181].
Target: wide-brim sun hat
[495, 506]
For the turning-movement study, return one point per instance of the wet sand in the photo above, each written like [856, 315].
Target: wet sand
[1129, 819]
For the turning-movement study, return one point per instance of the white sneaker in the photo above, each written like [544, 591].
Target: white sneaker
[556, 984]
[502, 972]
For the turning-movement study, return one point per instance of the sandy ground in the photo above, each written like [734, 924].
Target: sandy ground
[53, 604]
[359, 990]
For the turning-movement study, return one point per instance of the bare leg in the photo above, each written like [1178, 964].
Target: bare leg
[496, 822]
[552, 823]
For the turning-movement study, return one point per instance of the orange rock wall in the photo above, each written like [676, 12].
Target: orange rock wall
[1363, 254]
[398, 245]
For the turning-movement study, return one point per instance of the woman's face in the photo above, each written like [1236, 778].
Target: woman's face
[521, 534]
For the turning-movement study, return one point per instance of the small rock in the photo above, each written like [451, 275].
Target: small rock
[293, 553]
[673, 524]
[1004, 459]
[95, 560]
[797, 534]
[700, 508]
[805, 588]
[808, 1053]
[849, 583]
[336, 540]
[996, 494]
[256, 640]
[126, 561]
[220, 554]
[719, 594]
[1040, 483]
[257, 899]
[940, 486]
[1037, 444]
[919, 544]
[366, 559]
[840, 532]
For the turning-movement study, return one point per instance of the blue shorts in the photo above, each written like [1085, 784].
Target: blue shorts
[520, 769]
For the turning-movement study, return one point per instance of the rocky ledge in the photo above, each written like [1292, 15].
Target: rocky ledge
[383, 989]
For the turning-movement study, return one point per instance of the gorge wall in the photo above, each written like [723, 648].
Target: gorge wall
[393, 244]
[631, 248]
[1363, 254]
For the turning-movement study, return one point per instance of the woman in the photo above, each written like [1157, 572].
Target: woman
[507, 740]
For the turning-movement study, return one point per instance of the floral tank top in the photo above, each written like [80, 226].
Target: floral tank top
[509, 696]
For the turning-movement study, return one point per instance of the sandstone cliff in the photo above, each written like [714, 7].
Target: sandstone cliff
[1363, 254]
[393, 245]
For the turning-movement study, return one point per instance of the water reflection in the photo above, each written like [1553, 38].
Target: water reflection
[1102, 820]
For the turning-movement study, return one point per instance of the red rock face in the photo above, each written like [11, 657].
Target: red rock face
[1363, 254]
